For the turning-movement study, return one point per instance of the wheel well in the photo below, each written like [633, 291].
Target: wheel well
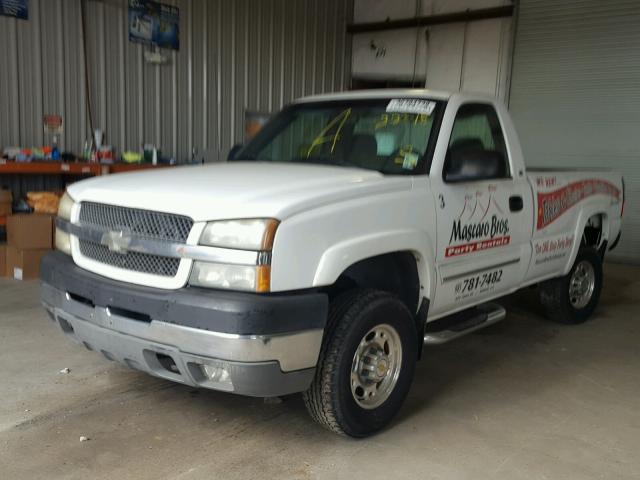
[592, 236]
[395, 272]
[594, 233]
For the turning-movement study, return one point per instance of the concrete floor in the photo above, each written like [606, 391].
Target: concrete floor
[525, 399]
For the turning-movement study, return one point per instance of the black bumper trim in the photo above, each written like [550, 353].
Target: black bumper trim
[214, 310]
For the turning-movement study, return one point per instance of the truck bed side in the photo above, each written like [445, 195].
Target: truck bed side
[564, 202]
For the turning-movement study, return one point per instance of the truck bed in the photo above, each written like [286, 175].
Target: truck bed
[565, 200]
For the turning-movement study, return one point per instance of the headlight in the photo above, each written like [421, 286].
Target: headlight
[65, 206]
[253, 234]
[252, 278]
[63, 239]
[257, 235]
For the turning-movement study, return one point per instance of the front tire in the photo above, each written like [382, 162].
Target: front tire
[573, 298]
[366, 365]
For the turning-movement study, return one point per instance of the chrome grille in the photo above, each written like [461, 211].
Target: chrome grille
[142, 223]
[134, 261]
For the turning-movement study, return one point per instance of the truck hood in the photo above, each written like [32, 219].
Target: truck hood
[236, 189]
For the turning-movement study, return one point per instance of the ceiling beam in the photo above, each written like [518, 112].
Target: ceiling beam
[466, 16]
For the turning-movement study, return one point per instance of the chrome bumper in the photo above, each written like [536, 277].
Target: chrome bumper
[292, 351]
[259, 365]
[243, 343]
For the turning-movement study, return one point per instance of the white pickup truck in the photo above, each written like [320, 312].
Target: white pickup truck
[351, 231]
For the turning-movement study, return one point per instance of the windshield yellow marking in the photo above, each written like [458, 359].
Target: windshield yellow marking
[395, 119]
[323, 138]
[402, 153]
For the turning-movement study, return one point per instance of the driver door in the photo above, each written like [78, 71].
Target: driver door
[482, 223]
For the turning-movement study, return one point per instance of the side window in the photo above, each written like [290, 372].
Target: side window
[477, 150]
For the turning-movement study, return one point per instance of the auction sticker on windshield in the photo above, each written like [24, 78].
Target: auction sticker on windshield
[411, 105]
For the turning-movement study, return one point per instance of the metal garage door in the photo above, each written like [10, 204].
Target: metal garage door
[575, 92]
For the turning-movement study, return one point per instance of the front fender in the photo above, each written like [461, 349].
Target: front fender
[340, 256]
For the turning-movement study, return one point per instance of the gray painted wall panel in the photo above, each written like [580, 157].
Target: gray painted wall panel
[234, 55]
[575, 93]
[9, 94]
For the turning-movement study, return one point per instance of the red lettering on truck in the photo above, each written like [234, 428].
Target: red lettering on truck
[552, 205]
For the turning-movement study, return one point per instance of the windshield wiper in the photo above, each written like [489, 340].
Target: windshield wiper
[329, 162]
[250, 158]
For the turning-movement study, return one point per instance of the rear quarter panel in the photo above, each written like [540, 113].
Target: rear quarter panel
[564, 201]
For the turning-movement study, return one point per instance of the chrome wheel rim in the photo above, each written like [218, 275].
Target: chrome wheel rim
[376, 366]
[582, 284]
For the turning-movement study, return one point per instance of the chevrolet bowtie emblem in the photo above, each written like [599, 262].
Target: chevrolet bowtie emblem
[117, 242]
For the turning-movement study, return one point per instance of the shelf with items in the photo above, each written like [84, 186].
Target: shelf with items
[51, 168]
[132, 167]
[70, 168]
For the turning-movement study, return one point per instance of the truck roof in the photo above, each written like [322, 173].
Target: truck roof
[396, 93]
[378, 93]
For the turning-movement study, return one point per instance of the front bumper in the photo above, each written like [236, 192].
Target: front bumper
[258, 345]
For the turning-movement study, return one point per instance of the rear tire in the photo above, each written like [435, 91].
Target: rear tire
[366, 365]
[573, 298]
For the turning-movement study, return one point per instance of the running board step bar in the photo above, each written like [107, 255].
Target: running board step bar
[459, 324]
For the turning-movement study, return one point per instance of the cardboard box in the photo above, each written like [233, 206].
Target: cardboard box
[6, 199]
[24, 264]
[30, 231]
[3, 260]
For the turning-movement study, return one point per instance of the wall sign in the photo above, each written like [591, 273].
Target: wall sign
[52, 124]
[15, 8]
[154, 23]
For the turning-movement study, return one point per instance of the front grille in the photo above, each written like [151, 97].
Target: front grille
[142, 223]
[134, 261]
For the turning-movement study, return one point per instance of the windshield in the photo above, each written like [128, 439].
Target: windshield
[391, 136]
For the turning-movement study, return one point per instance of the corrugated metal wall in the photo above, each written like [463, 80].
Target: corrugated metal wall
[575, 92]
[469, 56]
[234, 55]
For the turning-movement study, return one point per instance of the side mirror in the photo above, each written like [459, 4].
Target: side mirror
[473, 165]
[234, 151]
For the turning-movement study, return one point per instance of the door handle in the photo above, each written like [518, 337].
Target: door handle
[515, 203]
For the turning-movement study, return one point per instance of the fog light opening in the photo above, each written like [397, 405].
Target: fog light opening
[66, 326]
[212, 375]
[167, 363]
[216, 373]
